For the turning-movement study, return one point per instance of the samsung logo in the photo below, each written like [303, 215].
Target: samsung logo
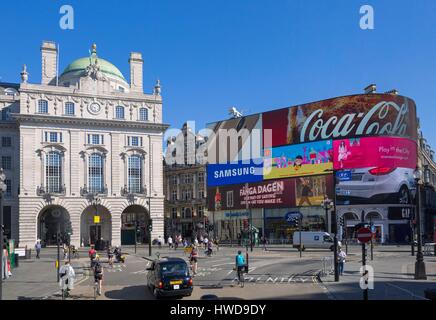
[237, 172]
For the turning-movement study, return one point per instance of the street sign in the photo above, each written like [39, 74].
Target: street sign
[344, 175]
[364, 235]
[290, 216]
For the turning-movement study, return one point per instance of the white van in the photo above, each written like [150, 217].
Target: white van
[313, 239]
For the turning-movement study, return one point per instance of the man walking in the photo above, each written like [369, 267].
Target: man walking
[341, 257]
[170, 242]
[38, 248]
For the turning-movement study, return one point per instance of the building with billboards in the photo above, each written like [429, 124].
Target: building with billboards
[274, 163]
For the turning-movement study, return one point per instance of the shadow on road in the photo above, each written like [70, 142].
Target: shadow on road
[130, 293]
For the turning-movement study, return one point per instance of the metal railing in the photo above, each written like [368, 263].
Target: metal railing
[84, 191]
[125, 191]
[327, 266]
[43, 190]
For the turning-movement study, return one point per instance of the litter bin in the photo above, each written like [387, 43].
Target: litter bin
[16, 259]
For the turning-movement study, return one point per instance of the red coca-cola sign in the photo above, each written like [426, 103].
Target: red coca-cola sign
[343, 117]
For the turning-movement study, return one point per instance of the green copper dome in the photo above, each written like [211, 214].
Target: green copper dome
[78, 66]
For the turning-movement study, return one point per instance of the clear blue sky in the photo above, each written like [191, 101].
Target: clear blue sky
[253, 54]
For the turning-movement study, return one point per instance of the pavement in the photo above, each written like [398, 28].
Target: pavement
[393, 276]
[278, 273]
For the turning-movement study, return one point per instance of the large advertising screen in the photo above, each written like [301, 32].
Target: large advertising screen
[340, 118]
[283, 193]
[234, 173]
[374, 152]
[298, 160]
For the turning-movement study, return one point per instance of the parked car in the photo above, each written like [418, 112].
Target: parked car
[169, 277]
[378, 185]
[313, 239]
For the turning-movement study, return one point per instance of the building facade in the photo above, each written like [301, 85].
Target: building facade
[358, 151]
[185, 186]
[83, 152]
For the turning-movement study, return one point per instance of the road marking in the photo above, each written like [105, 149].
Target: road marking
[407, 291]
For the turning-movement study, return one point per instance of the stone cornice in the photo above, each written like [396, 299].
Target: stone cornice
[65, 91]
[74, 122]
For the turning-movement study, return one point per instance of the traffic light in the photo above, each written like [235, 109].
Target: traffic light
[150, 225]
[341, 221]
[296, 222]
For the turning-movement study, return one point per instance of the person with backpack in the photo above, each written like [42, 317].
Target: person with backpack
[98, 275]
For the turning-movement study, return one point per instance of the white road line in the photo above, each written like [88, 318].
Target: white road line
[407, 291]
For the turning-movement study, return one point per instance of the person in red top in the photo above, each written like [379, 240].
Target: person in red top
[92, 253]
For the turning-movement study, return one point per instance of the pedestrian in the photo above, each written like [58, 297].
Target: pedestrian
[196, 242]
[341, 257]
[65, 247]
[193, 259]
[5, 264]
[67, 276]
[264, 243]
[170, 242]
[159, 242]
[38, 248]
[205, 241]
[98, 275]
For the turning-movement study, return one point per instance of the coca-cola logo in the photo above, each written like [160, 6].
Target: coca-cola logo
[374, 122]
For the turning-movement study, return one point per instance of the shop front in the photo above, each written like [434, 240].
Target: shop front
[233, 226]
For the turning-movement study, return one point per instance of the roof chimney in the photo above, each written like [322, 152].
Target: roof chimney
[136, 66]
[49, 55]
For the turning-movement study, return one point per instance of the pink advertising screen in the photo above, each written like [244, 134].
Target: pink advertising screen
[374, 152]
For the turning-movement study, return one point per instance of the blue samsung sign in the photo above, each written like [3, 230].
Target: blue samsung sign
[234, 173]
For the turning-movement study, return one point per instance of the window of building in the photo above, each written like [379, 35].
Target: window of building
[55, 137]
[95, 139]
[53, 171]
[8, 183]
[42, 106]
[95, 173]
[187, 178]
[200, 211]
[201, 177]
[119, 112]
[187, 213]
[6, 162]
[143, 114]
[174, 195]
[6, 114]
[69, 108]
[229, 196]
[6, 142]
[201, 194]
[174, 180]
[173, 213]
[134, 141]
[135, 174]
[121, 89]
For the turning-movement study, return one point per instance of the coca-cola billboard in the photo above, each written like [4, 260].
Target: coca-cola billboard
[343, 117]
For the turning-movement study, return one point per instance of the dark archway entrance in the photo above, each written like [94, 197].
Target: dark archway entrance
[94, 231]
[134, 221]
[51, 220]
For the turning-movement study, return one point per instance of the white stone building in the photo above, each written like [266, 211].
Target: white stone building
[82, 145]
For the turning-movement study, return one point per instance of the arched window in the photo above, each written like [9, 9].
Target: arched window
[42, 106]
[135, 174]
[143, 114]
[69, 108]
[53, 172]
[119, 112]
[95, 173]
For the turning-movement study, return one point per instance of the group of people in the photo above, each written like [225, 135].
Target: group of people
[200, 241]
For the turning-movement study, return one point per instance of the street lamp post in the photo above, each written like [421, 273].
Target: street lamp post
[3, 188]
[420, 273]
[328, 204]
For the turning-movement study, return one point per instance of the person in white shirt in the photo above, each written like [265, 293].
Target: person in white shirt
[170, 242]
[67, 276]
[341, 257]
[205, 241]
